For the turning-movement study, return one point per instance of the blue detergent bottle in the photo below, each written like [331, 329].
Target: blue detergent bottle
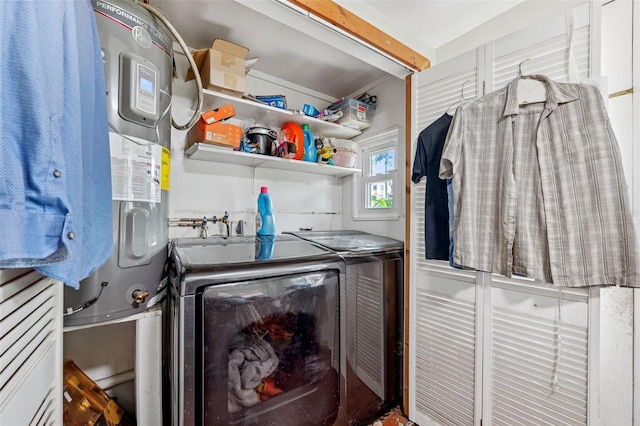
[264, 246]
[310, 151]
[265, 221]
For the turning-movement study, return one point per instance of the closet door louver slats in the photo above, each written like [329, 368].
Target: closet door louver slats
[30, 349]
[440, 91]
[530, 345]
[444, 320]
[544, 49]
[445, 350]
[364, 338]
[433, 100]
[523, 334]
[370, 335]
[45, 413]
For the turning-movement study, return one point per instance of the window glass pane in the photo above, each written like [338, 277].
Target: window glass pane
[379, 195]
[382, 162]
[373, 189]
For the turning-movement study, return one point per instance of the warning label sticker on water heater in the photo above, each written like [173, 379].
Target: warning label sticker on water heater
[136, 169]
[166, 168]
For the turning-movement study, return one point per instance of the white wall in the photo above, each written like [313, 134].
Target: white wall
[616, 308]
[636, 202]
[390, 112]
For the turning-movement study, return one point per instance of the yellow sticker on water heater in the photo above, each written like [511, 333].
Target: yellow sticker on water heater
[166, 168]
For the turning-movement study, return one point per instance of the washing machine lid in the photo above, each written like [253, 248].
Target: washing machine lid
[214, 251]
[351, 241]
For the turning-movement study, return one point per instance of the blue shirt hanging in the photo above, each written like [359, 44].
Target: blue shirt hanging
[55, 197]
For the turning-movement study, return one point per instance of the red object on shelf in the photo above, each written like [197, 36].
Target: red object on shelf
[293, 133]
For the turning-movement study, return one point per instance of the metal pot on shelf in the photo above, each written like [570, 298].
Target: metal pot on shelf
[263, 139]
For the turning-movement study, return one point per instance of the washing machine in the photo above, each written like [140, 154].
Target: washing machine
[372, 328]
[253, 330]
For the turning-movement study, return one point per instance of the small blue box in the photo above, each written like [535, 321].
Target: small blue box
[277, 101]
[310, 110]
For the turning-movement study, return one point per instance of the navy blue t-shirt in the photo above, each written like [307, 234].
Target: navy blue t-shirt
[436, 210]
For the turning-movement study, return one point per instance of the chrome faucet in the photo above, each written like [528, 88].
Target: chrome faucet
[202, 225]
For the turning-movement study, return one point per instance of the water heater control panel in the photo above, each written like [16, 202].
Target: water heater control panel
[139, 97]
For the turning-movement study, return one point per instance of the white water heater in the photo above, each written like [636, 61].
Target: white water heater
[138, 66]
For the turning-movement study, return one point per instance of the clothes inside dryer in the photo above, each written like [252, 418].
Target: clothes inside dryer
[254, 341]
[275, 340]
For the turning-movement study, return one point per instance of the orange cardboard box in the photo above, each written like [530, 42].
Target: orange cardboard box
[219, 133]
[218, 114]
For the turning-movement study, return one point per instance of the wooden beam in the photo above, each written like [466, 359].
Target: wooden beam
[408, 166]
[361, 29]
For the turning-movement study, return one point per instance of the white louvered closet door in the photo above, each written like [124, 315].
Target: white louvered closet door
[536, 359]
[30, 349]
[485, 349]
[443, 358]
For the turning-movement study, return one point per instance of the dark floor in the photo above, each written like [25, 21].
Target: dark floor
[394, 417]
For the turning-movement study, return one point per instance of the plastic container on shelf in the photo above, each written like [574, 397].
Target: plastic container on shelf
[355, 114]
[310, 151]
[344, 157]
[265, 220]
[294, 134]
[346, 152]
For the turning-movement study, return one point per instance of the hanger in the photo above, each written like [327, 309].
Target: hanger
[530, 90]
[462, 98]
[520, 66]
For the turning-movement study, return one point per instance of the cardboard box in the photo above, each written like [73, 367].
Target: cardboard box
[222, 67]
[218, 114]
[219, 133]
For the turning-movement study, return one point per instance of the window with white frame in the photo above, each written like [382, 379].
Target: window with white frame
[376, 191]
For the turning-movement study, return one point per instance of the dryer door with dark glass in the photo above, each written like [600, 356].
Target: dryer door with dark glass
[269, 351]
